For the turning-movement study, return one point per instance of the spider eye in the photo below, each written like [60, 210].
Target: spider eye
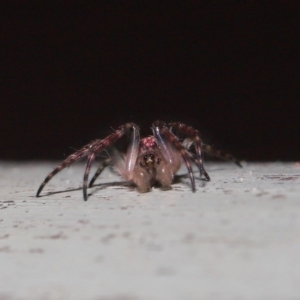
[149, 158]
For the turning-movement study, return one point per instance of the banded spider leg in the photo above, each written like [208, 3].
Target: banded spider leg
[125, 167]
[173, 150]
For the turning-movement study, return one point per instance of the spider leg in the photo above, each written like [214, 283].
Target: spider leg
[116, 158]
[67, 162]
[91, 149]
[193, 137]
[187, 143]
[194, 158]
[221, 154]
[166, 140]
[102, 166]
[90, 160]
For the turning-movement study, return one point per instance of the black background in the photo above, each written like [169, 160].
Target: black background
[72, 70]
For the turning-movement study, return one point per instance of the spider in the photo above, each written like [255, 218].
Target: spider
[145, 162]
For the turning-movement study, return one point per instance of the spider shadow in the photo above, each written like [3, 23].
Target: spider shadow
[123, 184]
[179, 179]
[118, 184]
[100, 186]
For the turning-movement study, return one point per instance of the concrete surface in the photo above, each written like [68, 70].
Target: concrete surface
[237, 237]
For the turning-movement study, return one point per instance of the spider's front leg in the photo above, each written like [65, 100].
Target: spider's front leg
[172, 149]
[194, 137]
[91, 150]
[67, 162]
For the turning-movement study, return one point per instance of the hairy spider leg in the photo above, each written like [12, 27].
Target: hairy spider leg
[67, 162]
[210, 150]
[220, 154]
[192, 156]
[106, 162]
[166, 140]
[193, 135]
[89, 150]
[90, 160]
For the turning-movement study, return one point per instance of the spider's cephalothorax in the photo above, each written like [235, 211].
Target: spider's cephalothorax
[149, 157]
[151, 166]
[145, 162]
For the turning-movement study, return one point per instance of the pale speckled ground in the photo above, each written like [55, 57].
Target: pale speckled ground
[237, 237]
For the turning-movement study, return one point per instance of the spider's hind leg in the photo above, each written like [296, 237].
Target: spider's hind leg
[193, 137]
[221, 154]
[194, 159]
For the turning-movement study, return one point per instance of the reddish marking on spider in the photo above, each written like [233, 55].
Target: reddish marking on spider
[148, 143]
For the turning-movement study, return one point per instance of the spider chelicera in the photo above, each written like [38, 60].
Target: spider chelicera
[146, 162]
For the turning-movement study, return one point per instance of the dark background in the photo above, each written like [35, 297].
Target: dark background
[71, 71]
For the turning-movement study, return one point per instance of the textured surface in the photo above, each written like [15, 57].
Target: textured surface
[237, 237]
